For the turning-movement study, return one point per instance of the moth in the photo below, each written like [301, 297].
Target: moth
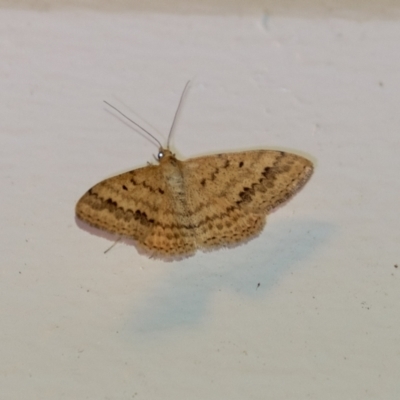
[178, 206]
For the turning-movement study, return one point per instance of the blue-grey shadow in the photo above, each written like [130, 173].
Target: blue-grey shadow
[181, 298]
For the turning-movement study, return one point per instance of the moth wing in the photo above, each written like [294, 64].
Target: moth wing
[137, 204]
[230, 194]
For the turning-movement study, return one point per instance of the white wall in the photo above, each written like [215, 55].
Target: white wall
[324, 321]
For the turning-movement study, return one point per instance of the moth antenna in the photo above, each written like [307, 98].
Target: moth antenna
[176, 113]
[135, 123]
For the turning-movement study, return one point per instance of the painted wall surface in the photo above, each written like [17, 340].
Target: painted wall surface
[308, 310]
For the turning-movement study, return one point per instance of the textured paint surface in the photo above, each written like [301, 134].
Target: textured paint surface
[323, 324]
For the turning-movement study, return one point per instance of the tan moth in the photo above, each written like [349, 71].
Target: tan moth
[177, 207]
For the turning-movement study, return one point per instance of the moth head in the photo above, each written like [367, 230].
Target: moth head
[161, 154]
[164, 154]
